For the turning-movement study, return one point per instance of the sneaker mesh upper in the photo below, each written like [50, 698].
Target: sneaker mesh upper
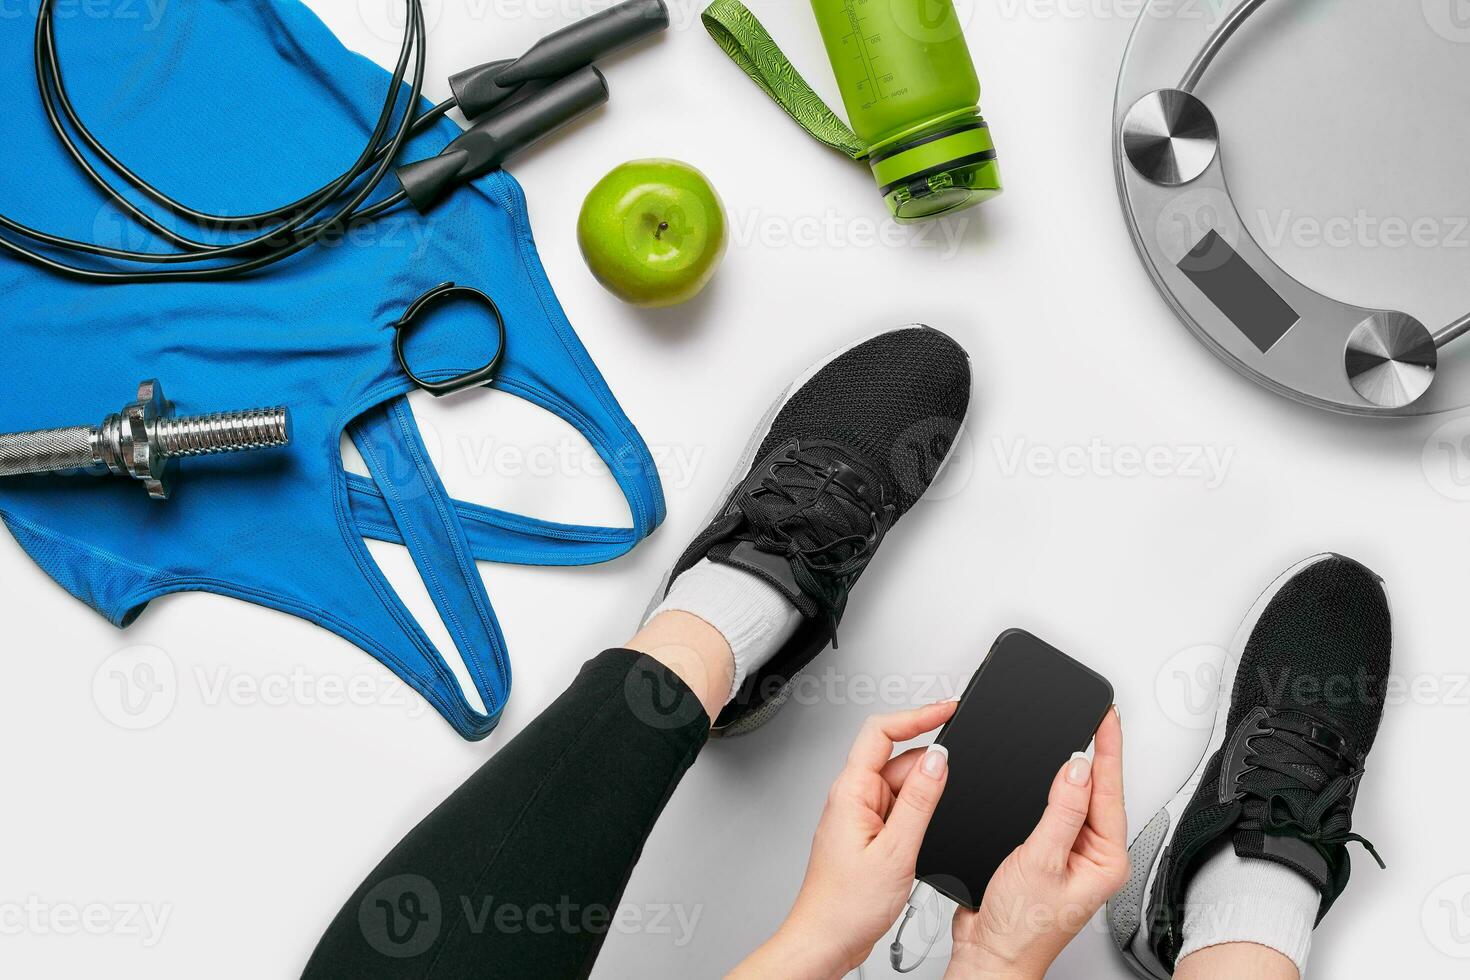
[1323, 645]
[898, 400]
[892, 406]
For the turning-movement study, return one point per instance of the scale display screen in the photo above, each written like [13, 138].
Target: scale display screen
[1257, 310]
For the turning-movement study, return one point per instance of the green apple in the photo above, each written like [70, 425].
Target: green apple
[653, 232]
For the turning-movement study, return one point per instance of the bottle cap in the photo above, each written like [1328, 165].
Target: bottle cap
[938, 169]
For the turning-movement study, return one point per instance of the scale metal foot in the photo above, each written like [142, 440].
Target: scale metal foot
[1170, 137]
[1391, 359]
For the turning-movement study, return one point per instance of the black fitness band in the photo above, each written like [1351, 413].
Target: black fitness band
[438, 296]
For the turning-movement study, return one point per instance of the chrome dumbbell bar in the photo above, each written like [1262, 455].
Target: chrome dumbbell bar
[142, 440]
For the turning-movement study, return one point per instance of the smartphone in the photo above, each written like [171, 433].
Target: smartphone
[1026, 711]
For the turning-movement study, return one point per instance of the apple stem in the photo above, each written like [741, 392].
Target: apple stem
[663, 226]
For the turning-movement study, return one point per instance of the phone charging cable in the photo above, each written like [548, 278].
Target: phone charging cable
[920, 896]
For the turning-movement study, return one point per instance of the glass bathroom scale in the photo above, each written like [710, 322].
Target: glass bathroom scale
[1295, 175]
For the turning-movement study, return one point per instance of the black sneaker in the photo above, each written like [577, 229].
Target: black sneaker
[1300, 701]
[846, 450]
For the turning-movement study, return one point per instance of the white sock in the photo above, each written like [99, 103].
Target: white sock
[755, 618]
[1232, 899]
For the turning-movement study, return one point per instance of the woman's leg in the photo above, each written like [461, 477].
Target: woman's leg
[520, 872]
[517, 874]
[1233, 960]
[695, 651]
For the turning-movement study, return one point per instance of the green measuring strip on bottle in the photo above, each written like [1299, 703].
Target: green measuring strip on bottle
[908, 83]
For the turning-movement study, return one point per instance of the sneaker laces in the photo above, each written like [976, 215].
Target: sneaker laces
[815, 508]
[1305, 786]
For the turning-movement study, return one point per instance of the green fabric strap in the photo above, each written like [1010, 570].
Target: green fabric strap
[736, 30]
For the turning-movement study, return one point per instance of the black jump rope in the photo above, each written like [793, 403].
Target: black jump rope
[512, 103]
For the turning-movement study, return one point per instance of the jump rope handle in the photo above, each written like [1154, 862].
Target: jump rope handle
[481, 89]
[522, 101]
[496, 138]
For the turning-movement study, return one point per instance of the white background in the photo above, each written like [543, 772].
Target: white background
[247, 818]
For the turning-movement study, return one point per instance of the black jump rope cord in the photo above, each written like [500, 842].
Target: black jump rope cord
[371, 167]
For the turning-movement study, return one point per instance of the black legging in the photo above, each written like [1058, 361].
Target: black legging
[519, 874]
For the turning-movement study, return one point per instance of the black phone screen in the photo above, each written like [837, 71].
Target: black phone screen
[1027, 710]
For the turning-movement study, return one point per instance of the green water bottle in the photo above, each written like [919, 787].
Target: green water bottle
[912, 98]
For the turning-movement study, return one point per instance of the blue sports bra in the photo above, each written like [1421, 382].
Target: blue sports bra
[221, 104]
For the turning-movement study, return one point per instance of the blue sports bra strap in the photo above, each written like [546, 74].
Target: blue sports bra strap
[618, 444]
[428, 524]
[637, 474]
[499, 536]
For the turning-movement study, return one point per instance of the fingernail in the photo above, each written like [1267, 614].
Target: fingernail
[935, 761]
[1118, 713]
[1079, 770]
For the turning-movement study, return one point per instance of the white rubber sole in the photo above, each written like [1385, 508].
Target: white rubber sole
[747, 460]
[1128, 911]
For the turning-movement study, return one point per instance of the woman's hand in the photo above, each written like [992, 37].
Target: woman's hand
[1052, 885]
[867, 843]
